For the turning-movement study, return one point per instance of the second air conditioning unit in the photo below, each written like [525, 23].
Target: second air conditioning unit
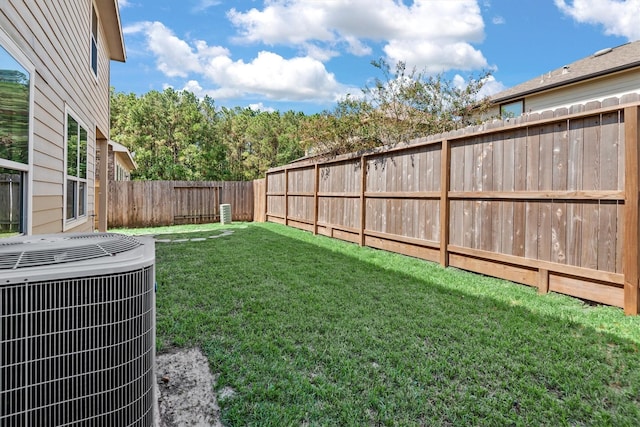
[225, 213]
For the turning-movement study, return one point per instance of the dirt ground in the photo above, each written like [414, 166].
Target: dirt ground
[185, 389]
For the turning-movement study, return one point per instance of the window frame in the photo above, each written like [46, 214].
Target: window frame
[26, 170]
[79, 216]
[93, 40]
[510, 103]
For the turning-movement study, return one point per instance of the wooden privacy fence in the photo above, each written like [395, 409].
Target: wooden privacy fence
[154, 203]
[547, 200]
[11, 196]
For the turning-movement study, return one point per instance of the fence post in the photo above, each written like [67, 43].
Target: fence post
[363, 204]
[445, 175]
[286, 197]
[316, 187]
[266, 196]
[631, 262]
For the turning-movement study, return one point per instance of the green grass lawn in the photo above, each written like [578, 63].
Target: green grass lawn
[312, 331]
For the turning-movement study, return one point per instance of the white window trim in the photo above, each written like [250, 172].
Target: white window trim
[69, 224]
[94, 8]
[10, 46]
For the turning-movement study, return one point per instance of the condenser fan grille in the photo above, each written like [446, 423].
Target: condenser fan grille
[59, 249]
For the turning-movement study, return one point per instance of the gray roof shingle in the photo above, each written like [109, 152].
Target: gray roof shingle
[605, 61]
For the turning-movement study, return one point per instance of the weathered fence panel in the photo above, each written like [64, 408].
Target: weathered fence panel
[11, 189]
[542, 200]
[154, 203]
[259, 200]
[195, 203]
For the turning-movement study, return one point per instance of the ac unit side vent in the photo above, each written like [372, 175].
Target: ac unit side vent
[8, 261]
[59, 249]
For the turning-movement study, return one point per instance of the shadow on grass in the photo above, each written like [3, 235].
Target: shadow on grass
[309, 330]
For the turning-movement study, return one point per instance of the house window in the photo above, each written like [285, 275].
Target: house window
[15, 102]
[76, 145]
[512, 109]
[94, 40]
[121, 173]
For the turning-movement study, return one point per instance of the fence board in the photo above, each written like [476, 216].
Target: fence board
[591, 181]
[520, 184]
[545, 183]
[559, 183]
[575, 156]
[259, 200]
[11, 189]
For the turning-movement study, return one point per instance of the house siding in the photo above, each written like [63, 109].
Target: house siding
[613, 86]
[55, 37]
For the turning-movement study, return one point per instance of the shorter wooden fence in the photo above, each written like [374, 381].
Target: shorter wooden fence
[259, 208]
[548, 200]
[155, 203]
[11, 196]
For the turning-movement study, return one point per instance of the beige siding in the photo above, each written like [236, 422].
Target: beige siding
[612, 86]
[55, 37]
[600, 89]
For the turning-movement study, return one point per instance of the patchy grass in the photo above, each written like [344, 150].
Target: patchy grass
[176, 229]
[312, 331]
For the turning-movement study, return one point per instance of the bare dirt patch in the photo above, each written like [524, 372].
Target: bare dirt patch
[185, 390]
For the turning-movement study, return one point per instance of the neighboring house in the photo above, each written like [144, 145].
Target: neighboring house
[607, 73]
[121, 162]
[54, 110]
[119, 165]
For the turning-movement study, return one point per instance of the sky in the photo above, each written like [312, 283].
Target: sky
[305, 55]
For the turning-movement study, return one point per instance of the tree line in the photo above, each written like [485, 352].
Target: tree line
[175, 135]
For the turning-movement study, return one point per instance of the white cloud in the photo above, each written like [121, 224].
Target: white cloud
[204, 5]
[174, 57]
[135, 28]
[319, 53]
[194, 87]
[260, 107]
[435, 58]
[268, 75]
[272, 76]
[437, 27]
[490, 86]
[498, 20]
[123, 3]
[619, 18]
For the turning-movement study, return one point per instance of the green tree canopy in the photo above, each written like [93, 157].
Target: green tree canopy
[400, 106]
[176, 136]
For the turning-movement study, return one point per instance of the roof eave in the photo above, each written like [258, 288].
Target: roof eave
[602, 73]
[110, 18]
[126, 154]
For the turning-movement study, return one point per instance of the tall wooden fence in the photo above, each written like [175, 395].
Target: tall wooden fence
[154, 203]
[547, 200]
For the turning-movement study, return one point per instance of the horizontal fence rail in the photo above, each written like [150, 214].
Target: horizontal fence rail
[548, 200]
[154, 203]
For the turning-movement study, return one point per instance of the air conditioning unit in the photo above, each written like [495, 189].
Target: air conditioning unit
[225, 213]
[77, 330]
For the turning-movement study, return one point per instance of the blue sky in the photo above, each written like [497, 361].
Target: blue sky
[304, 55]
